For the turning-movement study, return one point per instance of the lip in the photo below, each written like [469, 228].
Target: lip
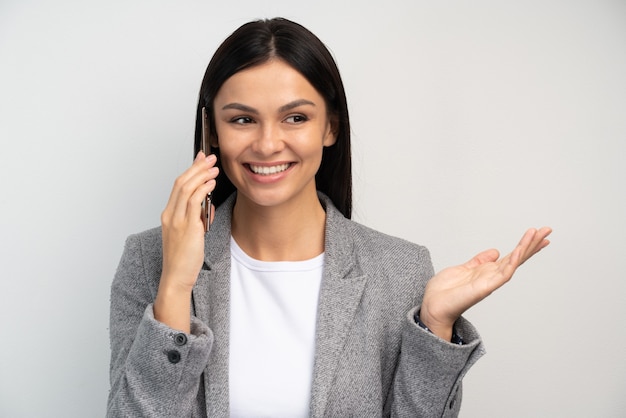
[268, 178]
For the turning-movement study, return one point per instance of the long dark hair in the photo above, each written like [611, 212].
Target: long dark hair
[255, 43]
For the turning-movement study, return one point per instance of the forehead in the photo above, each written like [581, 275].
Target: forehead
[272, 83]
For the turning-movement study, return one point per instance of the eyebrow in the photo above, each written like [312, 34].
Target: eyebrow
[283, 108]
[294, 104]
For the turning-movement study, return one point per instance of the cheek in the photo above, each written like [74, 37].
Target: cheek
[311, 152]
[313, 146]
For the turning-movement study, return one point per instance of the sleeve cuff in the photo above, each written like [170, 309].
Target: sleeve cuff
[456, 339]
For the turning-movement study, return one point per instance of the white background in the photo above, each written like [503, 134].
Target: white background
[472, 120]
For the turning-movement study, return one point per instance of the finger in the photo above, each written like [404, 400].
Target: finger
[531, 243]
[201, 163]
[174, 193]
[187, 185]
[537, 243]
[510, 262]
[184, 177]
[202, 192]
[544, 232]
[196, 200]
[185, 197]
[516, 257]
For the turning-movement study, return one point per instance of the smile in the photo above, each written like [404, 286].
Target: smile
[266, 171]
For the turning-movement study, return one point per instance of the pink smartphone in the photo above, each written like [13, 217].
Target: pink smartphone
[206, 149]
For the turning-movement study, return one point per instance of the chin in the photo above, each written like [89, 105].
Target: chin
[273, 198]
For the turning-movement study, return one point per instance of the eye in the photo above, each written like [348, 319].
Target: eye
[295, 119]
[241, 120]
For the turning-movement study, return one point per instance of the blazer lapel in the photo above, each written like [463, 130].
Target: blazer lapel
[211, 303]
[340, 293]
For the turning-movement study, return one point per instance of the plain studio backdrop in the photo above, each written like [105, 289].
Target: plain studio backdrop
[471, 120]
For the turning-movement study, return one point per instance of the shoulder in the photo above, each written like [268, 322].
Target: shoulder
[369, 239]
[146, 242]
[365, 240]
[374, 250]
[143, 251]
[387, 252]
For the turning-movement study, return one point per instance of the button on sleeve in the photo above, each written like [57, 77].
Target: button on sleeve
[173, 356]
[180, 339]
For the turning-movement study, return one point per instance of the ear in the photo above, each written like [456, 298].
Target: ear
[213, 141]
[333, 129]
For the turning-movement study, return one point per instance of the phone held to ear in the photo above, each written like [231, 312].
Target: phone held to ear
[205, 147]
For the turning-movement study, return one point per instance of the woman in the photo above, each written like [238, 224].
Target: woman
[286, 307]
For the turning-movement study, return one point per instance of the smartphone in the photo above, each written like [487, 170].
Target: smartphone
[206, 149]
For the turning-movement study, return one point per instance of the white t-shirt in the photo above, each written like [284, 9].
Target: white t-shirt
[273, 309]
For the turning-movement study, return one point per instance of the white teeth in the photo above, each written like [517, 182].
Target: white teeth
[264, 170]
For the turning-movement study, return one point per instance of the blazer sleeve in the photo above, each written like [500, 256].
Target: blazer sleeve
[154, 370]
[427, 381]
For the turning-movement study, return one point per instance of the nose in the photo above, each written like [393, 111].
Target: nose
[269, 140]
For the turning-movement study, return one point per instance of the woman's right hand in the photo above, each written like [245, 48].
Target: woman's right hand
[183, 241]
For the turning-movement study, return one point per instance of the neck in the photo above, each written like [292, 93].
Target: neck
[293, 231]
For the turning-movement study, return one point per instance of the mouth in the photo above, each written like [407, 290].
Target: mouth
[265, 170]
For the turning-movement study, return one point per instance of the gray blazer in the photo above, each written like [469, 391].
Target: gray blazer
[371, 359]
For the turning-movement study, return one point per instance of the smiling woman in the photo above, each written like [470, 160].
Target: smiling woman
[258, 43]
[287, 307]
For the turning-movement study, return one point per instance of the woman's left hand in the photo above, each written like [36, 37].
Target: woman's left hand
[454, 290]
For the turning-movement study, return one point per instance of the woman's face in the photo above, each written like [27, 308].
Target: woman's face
[272, 126]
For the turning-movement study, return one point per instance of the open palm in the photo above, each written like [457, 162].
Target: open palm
[455, 289]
